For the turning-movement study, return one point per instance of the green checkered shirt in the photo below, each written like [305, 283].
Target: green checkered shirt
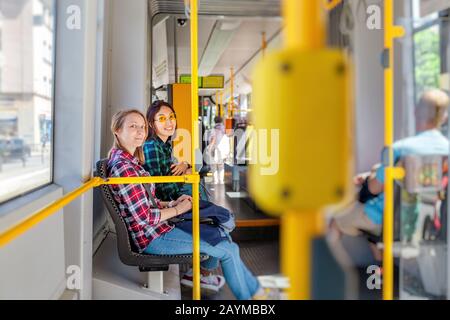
[158, 159]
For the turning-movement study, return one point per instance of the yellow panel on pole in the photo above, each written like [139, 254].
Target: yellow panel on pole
[303, 99]
[302, 114]
[181, 102]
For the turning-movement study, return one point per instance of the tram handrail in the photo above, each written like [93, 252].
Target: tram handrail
[194, 147]
[391, 32]
[26, 224]
[331, 4]
[304, 29]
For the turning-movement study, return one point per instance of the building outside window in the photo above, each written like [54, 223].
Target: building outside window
[427, 59]
[26, 99]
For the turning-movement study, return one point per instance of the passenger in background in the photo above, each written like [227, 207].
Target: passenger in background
[147, 217]
[159, 161]
[431, 112]
[218, 150]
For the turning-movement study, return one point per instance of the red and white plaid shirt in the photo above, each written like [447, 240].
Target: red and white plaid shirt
[142, 219]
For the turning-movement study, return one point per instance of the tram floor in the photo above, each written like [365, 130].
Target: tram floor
[237, 202]
[261, 257]
[258, 245]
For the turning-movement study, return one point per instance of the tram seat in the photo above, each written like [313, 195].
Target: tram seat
[126, 248]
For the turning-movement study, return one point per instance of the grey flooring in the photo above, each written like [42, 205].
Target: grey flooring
[261, 257]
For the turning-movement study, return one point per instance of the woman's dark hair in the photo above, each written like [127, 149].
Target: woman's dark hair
[151, 113]
[218, 119]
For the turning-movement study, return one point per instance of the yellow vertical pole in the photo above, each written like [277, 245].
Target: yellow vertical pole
[263, 44]
[217, 104]
[304, 24]
[391, 32]
[330, 5]
[305, 29]
[298, 229]
[231, 108]
[194, 146]
[388, 136]
[221, 104]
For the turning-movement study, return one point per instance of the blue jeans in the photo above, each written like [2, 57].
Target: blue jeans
[241, 281]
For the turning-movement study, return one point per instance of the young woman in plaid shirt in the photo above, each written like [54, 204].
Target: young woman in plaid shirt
[148, 223]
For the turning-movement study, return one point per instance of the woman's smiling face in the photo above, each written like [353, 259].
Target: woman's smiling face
[133, 132]
[165, 122]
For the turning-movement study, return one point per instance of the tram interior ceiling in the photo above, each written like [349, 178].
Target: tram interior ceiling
[318, 128]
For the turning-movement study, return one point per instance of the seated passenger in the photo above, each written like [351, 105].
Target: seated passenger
[162, 122]
[147, 217]
[431, 112]
[159, 161]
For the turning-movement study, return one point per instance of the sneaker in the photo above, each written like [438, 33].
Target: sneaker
[210, 283]
[268, 294]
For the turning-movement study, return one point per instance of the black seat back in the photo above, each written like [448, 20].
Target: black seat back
[125, 245]
[128, 253]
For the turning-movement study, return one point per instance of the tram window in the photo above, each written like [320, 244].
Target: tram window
[26, 98]
[427, 68]
[427, 59]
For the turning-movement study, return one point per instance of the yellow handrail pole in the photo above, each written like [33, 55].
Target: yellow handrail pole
[194, 146]
[305, 24]
[330, 5]
[13, 232]
[221, 104]
[30, 222]
[153, 179]
[297, 232]
[263, 44]
[217, 104]
[388, 266]
[231, 107]
[391, 32]
[305, 29]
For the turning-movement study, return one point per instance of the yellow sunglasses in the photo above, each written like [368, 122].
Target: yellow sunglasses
[163, 119]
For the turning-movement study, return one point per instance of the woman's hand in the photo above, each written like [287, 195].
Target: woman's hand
[184, 206]
[179, 169]
[360, 178]
[182, 198]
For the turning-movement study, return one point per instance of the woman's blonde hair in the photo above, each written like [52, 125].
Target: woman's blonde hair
[117, 122]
